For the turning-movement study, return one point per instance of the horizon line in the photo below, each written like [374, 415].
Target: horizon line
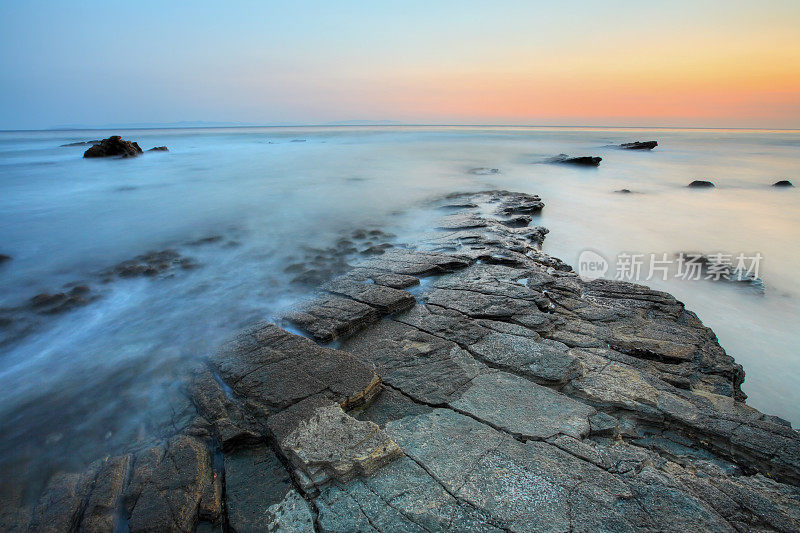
[393, 125]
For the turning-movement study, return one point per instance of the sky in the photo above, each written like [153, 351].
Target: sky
[605, 63]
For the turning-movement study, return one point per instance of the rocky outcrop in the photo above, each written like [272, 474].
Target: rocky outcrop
[159, 149]
[639, 145]
[151, 264]
[783, 183]
[113, 146]
[4, 258]
[59, 302]
[701, 184]
[586, 161]
[477, 384]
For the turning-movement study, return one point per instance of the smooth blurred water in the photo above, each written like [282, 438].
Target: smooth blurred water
[105, 377]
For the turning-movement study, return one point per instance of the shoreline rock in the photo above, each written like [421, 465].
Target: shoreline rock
[501, 392]
[783, 183]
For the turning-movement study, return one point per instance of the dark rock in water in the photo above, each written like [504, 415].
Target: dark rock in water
[114, 146]
[211, 239]
[59, 302]
[4, 258]
[152, 264]
[377, 249]
[82, 143]
[482, 171]
[701, 184]
[624, 191]
[783, 183]
[159, 149]
[298, 140]
[587, 161]
[720, 267]
[639, 145]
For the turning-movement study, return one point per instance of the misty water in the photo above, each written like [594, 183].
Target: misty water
[107, 377]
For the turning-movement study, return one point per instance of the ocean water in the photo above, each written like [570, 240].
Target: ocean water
[276, 202]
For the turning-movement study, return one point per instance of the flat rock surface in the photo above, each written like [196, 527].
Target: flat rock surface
[478, 384]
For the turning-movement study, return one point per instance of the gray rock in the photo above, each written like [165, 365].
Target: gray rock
[260, 495]
[523, 408]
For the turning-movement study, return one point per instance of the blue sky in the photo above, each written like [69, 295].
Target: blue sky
[701, 63]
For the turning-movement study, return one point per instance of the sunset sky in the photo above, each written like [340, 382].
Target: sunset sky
[631, 63]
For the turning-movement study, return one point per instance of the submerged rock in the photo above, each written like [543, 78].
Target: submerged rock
[624, 191]
[159, 149]
[483, 171]
[588, 161]
[4, 258]
[152, 264]
[783, 183]
[113, 146]
[59, 302]
[82, 143]
[639, 145]
[701, 184]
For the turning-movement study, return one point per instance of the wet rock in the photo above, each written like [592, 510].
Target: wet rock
[385, 300]
[60, 505]
[103, 505]
[231, 427]
[260, 495]
[701, 184]
[329, 318]
[4, 258]
[168, 486]
[273, 369]
[152, 264]
[624, 191]
[783, 183]
[59, 302]
[376, 249]
[159, 149]
[113, 146]
[587, 161]
[639, 145]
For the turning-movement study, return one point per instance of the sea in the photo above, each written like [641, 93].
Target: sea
[263, 215]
